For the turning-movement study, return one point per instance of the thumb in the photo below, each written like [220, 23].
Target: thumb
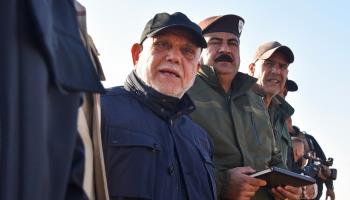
[257, 182]
[246, 170]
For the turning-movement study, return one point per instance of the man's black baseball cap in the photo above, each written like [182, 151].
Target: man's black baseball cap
[266, 50]
[162, 21]
[291, 85]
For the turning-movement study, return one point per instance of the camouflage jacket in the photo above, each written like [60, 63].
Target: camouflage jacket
[238, 123]
[279, 111]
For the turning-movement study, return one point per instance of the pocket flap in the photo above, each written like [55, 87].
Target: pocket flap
[119, 137]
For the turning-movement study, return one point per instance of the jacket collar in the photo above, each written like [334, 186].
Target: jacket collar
[259, 90]
[240, 84]
[164, 106]
[282, 106]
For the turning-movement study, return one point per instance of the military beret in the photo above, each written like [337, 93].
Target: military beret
[223, 23]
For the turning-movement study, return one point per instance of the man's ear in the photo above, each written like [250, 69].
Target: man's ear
[201, 60]
[135, 52]
[251, 69]
[198, 66]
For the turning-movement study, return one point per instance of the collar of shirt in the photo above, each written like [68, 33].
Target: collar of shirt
[166, 107]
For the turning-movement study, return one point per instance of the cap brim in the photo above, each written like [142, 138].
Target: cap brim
[200, 41]
[282, 49]
[291, 86]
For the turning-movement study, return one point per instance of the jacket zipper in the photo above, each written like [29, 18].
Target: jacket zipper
[228, 98]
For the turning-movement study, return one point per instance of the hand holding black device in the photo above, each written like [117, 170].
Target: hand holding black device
[275, 176]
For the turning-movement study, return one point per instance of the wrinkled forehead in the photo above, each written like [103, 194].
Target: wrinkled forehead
[297, 140]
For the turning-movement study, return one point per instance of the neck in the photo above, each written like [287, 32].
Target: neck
[225, 81]
[267, 100]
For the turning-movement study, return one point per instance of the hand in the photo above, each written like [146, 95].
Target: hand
[324, 172]
[241, 186]
[310, 191]
[330, 193]
[286, 192]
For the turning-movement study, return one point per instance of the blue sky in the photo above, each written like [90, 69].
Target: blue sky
[317, 32]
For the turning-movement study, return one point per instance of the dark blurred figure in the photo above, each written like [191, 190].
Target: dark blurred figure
[308, 162]
[89, 122]
[44, 69]
[314, 163]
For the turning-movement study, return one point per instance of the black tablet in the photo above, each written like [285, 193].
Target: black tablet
[275, 176]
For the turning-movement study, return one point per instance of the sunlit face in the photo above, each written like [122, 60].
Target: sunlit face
[167, 62]
[222, 53]
[271, 73]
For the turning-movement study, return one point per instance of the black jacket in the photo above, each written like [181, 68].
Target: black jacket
[44, 69]
[152, 148]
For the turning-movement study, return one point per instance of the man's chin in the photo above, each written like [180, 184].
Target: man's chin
[225, 67]
[272, 93]
[169, 91]
[224, 64]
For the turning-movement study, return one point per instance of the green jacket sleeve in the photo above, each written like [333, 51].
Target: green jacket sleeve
[222, 181]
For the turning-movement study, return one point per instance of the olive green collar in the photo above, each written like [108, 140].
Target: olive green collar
[282, 105]
[240, 84]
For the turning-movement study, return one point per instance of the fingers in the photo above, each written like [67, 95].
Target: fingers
[241, 185]
[246, 195]
[240, 174]
[276, 194]
[248, 186]
[289, 192]
[244, 170]
[309, 191]
[256, 182]
[292, 192]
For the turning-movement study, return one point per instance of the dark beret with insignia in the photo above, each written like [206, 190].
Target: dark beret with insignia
[223, 23]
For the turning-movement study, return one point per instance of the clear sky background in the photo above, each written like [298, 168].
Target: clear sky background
[317, 32]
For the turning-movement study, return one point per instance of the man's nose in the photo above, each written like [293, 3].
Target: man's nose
[224, 48]
[174, 55]
[276, 68]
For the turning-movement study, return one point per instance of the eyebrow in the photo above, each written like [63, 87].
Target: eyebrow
[271, 60]
[215, 38]
[187, 43]
[220, 39]
[234, 39]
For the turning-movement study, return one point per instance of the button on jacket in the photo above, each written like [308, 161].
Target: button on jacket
[152, 148]
[238, 123]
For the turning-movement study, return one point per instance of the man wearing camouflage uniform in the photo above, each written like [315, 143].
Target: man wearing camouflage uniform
[232, 114]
